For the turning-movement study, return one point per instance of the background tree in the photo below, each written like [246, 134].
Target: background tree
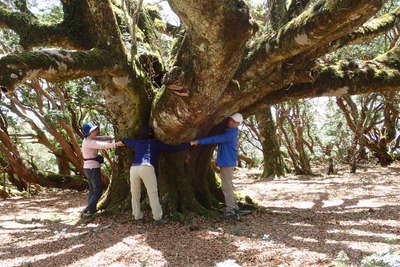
[263, 128]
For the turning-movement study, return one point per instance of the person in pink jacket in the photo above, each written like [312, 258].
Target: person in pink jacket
[91, 145]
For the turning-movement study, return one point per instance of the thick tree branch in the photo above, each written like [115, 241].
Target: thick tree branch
[370, 30]
[320, 24]
[341, 79]
[274, 62]
[34, 34]
[208, 57]
[209, 19]
[281, 12]
[55, 65]
[277, 13]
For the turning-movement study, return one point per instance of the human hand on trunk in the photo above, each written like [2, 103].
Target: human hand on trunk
[119, 144]
[194, 143]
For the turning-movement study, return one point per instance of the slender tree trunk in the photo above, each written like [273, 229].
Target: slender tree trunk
[353, 158]
[19, 184]
[62, 164]
[274, 165]
[328, 153]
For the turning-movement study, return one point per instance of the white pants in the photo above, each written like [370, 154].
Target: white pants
[147, 174]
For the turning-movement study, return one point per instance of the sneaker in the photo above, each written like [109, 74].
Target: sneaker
[243, 212]
[83, 213]
[160, 222]
[232, 214]
[88, 215]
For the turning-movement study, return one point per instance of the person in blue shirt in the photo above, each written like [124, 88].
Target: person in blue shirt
[227, 156]
[144, 165]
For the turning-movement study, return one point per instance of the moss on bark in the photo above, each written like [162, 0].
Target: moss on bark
[274, 165]
[55, 65]
[184, 184]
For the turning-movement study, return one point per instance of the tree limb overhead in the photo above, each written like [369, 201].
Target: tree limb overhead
[370, 30]
[55, 65]
[342, 79]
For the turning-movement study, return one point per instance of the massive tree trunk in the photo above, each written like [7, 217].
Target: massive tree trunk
[220, 67]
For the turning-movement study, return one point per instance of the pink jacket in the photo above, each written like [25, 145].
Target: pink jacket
[90, 149]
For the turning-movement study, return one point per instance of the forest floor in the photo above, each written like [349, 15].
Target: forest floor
[307, 221]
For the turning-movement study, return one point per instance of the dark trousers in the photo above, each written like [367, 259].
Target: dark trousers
[95, 188]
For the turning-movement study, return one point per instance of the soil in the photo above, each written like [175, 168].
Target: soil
[304, 221]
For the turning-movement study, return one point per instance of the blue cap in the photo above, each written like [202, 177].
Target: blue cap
[88, 128]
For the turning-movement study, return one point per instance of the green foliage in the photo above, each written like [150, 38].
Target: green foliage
[10, 40]
[367, 51]
[51, 15]
[81, 100]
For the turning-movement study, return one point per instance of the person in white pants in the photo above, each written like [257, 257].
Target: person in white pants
[147, 151]
[147, 174]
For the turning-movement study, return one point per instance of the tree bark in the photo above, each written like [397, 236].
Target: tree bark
[63, 167]
[27, 174]
[369, 130]
[221, 67]
[274, 165]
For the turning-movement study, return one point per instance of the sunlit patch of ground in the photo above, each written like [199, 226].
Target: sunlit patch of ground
[307, 221]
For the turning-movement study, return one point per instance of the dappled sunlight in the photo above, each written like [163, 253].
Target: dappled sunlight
[356, 213]
[302, 222]
[332, 203]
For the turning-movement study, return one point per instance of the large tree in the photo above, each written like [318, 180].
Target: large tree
[221, 65]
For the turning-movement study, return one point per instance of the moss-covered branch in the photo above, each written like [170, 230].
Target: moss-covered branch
[274, 61]
[341, 79]
[34, 34]
[55, 65]
[370, 30]
[281, 59]
[281, 12]
[323, 22]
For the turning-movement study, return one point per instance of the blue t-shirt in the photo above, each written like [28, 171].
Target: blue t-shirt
[147, 151]
[227, 147]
